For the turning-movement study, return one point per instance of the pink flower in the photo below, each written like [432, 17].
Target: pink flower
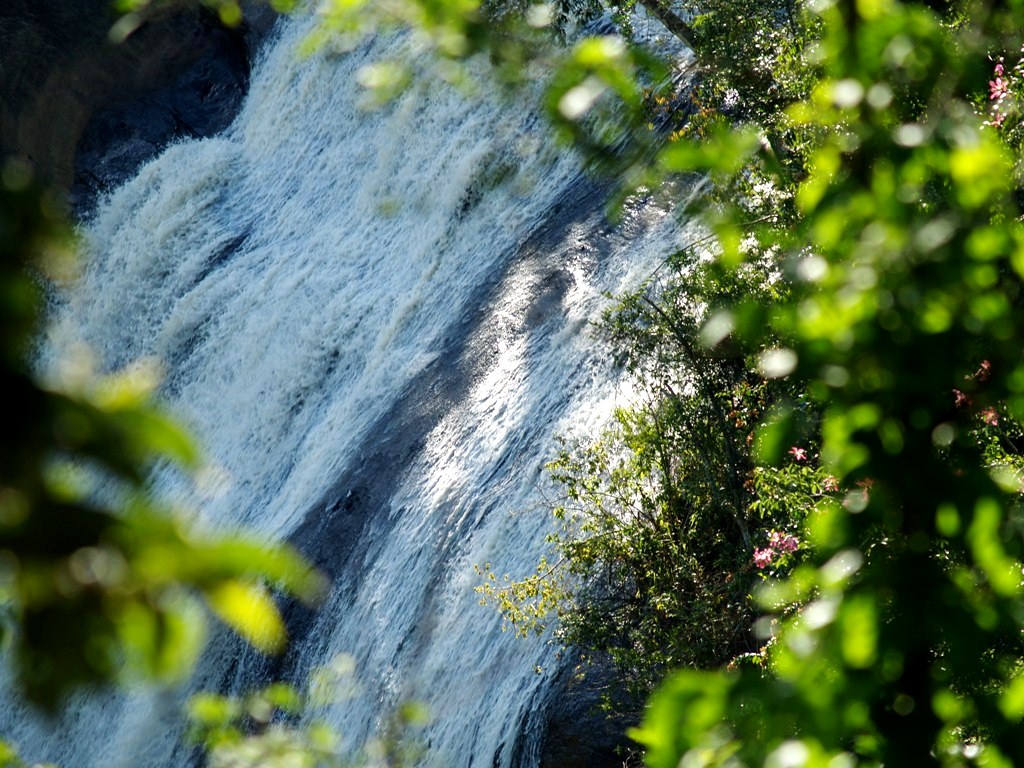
[960, 399]
[997, 119]
[798, 453]
[998, 69]
[763, 557]
[782, 541]
[984, 371]
[990, 416]
[998, 88]
[830, 485]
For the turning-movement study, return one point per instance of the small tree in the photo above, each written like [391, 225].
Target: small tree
[667, 521]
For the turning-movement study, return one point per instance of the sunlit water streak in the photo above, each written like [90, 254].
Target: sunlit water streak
[377, 315]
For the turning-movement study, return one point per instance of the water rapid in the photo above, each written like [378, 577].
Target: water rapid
[376, 323]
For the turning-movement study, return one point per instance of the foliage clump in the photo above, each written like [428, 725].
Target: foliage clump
[898, 642]
[273, 727]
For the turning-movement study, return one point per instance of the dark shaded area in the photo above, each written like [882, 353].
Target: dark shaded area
[88, 113]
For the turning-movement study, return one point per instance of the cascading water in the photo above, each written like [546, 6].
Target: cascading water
[376, 323]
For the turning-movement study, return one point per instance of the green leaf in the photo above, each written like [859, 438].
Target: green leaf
[249, 610]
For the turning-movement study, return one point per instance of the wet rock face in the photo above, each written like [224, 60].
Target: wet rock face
[579, 734]
[201, 101]
[87, 112]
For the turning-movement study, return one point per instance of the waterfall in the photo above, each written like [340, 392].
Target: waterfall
[376, 323]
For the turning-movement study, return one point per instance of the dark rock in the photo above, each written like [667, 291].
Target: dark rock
[201, 101]
[579, 733]
[87, 112]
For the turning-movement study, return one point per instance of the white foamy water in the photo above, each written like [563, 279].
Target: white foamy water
[400, 298]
